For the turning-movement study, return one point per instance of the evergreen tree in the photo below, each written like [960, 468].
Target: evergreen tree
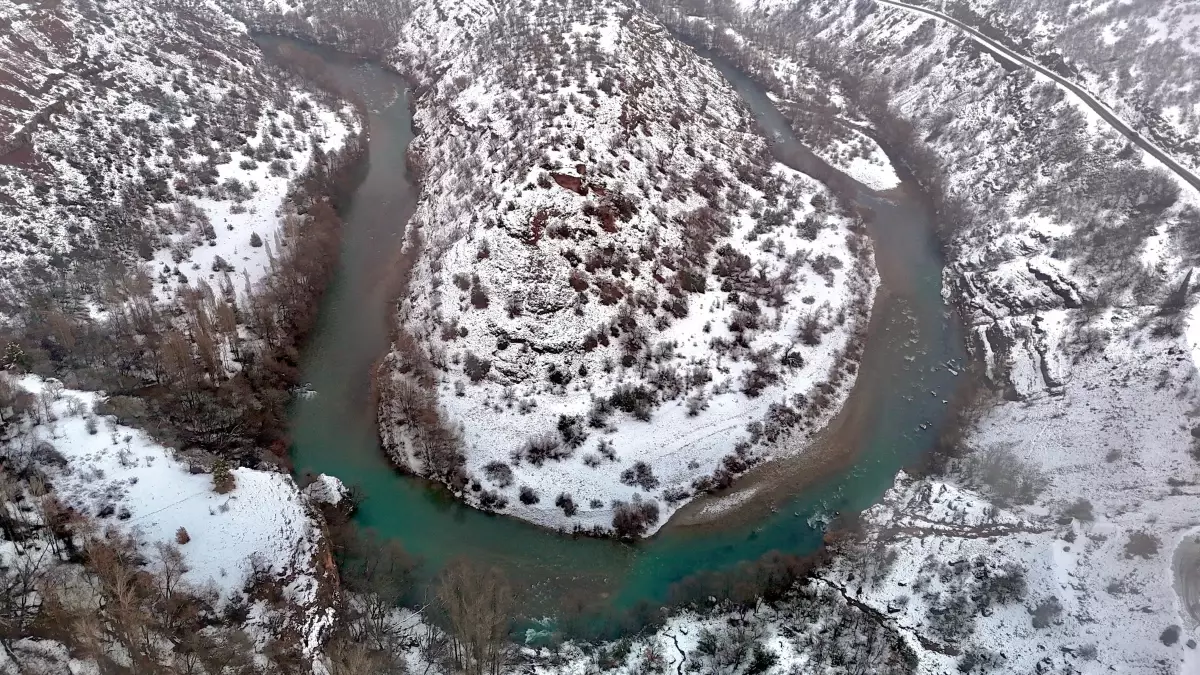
[222, 476]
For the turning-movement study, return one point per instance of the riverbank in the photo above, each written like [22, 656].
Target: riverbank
[830, 454]
[836, 447]
[898, 425]
[619, 371]
[766, 488]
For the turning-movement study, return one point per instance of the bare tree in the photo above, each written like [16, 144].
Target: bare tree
[19, 599]
[379, 572]
[478, 603]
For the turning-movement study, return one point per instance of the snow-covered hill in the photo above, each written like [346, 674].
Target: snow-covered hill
[258, 530]
[1142, 59]
[146, 146]
[1072, 255]
[615, 278]
[1050, 214]
[1084, 567]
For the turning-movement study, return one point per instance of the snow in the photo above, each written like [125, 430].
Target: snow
[234, 222]
[264, 517]
[326, 489]
[108, 143]
[1117, 435]
[1106, 395]
[875, 174]
[1192, 334]
[469, 128]
[727, 502]
[149, 493]
[874, 170]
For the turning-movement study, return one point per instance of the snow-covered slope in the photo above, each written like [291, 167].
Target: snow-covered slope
[1073, 257]
[1143, 59]
[1094, 540]
[262, 528]
[1048, 210]
[154, 138]
[613, 269]
[1090, 566]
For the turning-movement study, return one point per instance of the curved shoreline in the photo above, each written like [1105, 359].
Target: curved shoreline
[832, 449]
[844, 465]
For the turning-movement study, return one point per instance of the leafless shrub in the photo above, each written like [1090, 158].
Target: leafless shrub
[499, 473]
[566, 503]
[1142, 544]
[1080, 510]
[640, 475]
[544, 447]
[571, 429]
[476, 368]
[1004, 476]
[632, 519]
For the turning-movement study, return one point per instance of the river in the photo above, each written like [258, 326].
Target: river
[913, 337]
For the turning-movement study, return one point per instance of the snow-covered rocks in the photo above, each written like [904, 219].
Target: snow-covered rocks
[615, 279]
[327, 490]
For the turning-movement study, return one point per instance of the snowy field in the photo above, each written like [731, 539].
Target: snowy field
[122, 479]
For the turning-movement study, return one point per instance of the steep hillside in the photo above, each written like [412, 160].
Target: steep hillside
[165, 215]
[1046, 207]
[616, 280]
[1143, 59]
[1062, 537]
[238, 557]
[1066, 538]
[153, 140]
[165, 226]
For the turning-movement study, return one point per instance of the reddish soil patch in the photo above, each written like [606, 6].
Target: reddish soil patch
[572, 183]
[608, 218]
[537, 225]
[21, 156]
[14, 101]
[59, 33]
[20, 45]
[13, 92]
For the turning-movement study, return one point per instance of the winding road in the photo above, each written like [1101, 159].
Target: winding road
[1091, 101]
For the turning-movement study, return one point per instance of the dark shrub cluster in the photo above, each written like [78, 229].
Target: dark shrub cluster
[633, 399]
[632, 519]
[476, 368]
[570, 427]
[565, 502]
[499, 473]
[544, 447]
[640, 475]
